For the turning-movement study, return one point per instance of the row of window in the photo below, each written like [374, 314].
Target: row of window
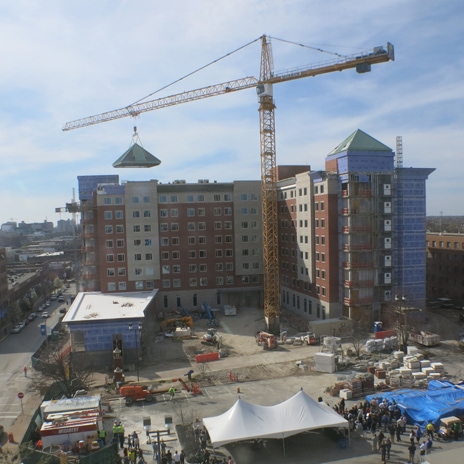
[139, 285]
[121, 257]
[455, 245]
[120, 201]
[292, 193]
[307, 304]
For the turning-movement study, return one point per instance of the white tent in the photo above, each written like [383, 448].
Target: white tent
[246, 421]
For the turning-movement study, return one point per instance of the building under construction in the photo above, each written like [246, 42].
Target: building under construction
[351, 236]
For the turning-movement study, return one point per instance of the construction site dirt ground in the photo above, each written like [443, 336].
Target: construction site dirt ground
[239, 347]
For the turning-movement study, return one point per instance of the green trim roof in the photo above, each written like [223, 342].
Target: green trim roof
[360, 141]
[136, 157]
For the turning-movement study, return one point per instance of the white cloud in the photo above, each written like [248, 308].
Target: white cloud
[66, 60]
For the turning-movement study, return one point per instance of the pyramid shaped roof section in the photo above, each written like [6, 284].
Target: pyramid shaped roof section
[136, 157]
[360, 141]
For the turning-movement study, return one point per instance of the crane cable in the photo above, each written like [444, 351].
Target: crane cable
[193, 72]
[308, 46]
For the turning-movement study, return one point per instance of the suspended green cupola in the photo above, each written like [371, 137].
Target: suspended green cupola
[136, 156]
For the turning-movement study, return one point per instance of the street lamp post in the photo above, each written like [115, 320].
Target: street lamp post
[136, 329]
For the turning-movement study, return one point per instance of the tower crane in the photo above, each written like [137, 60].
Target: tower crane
[264, 87]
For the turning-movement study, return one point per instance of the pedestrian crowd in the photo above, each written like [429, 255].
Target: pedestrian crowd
[387, 425]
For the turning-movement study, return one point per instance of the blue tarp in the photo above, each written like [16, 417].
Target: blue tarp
[442, 399]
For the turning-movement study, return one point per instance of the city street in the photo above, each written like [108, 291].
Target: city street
[15, 354]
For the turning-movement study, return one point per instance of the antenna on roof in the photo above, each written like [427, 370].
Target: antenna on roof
[399, 151]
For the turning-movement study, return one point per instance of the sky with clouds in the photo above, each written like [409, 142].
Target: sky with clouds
[65, 60]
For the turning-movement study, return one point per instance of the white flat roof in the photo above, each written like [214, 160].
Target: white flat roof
[97, 306]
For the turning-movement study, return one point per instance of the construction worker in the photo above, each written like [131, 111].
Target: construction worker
[172, 392]
[102, 436]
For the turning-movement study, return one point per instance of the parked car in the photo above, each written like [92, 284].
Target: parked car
[63, 310]
[61, 299]
[47, 303]
[16, 329]
[32, 316]
[53, 297]
[22, 324]
[45, 315]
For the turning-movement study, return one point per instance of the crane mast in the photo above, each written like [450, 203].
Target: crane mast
[264, 86]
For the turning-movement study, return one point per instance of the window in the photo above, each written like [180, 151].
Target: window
[174, 212]
[228, 211]
[253, 211]
[201, 226]
[120, 243]
[218, 239]
[244, 210]
[201, 240]
[135, 200]
[173, 198]
[176, 268]
[190, 226]
[135, 214]
[192, 268]
[229, 280]
[137, 242]
[118, 201]
[165, 255]
[229, 266]
[244, 238]
[121, 271]
[203, 268]
[176, 255]
[192, 240]
[228, 225]
[164, 241]
[119, 214]
[219, 267]
[203, 281]
[146, 199]
[219, 280]
[148, 242]
[227, 197]
[192, 254]
[109, 243]
[107, 201]
[164, 227]
[175, 240]
[148, 256]
[216, 197]
[111, 286]
[193, 282]
[122, 286]
[218, 253]
[108, 229]
[109, 258]
[218, 225]
[138, 257]
[121, 257]
[201, 197]
[166, 283]
[166, 269]
[149, 284]
[163, 213]
[147, 228]
[120, 229]
[244, 197]
[110, 272]
[176, 283]
[139, 284]
[147, 213]
[163, 199]
[217, 211]
[136, 229]
[190, 212]
[190, 198]
[201, 212]
[229, 253]
[202, 253]
[255, 266]
[108, 215]
[246, 266]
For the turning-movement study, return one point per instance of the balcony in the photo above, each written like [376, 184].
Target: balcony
[353, 301]
[347, 247]
[88, 248]
[354, 265]
[354, 229]
[358, 283]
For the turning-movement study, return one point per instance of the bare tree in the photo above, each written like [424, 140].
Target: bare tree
[360, 333]
[57, 368]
